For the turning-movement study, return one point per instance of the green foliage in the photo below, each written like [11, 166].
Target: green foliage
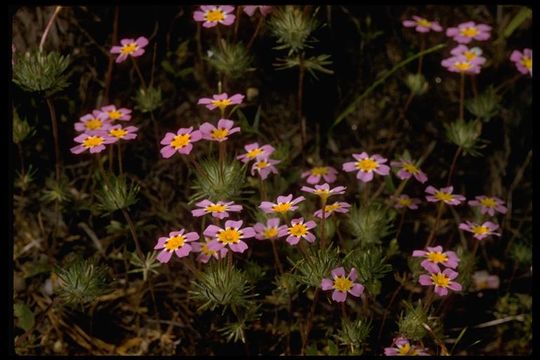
[466, 267]
[371, 267]
[175, 62]
[416, 83]
[81, 281]
[115, 193]
[292, 28]
[411, 323]
[21, 129]
[216, 184]
[465, 134]
[36, 71]
[148, 99]
[353, 333]
[312, 64]
[23, 180]
[55, 190]
[25, 318]
[235, 331]
[221, 286]
[231, 60]
[521, 252]
[319, 262]
[145, 266]
[370, 224]
[285, 286]
[515, 337]
[485, 105]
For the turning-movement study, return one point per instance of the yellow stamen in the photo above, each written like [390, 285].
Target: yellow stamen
[281, 207]
[92, 141]
[229, 236]
[331, 208]
[527, 62]
[367, 165]
[406, 349]
[115, 114]
[270, 233]
[262, 164]
[93, 124]
[488, 202]
[319, 170]
[462, 65]
[440, 279]
[251, 154]
[206, 251]
[343, 284]
[129, 48]
[423, 22]
[219, 134]
[215, 15]
[480, 229]
[470, 55]
[119, 133]
[404, 201]
[174, 243]
[470, 31]
[410, 168]
[443, 196]
[216, 208]
[298, 230]
[180, 141]
[437, 257]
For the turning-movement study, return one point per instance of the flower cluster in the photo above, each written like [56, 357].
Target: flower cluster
[442, 280]
[466, 60]
[263, 165]
[489, 205]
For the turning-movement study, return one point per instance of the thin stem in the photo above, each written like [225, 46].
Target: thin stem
[475, 247]
[222, 148]
[461, 95]
[262, 186]
[111, 155]
[153, 65]
[422, 48]
[20, 149]
[323, 221]
[257, 29]
[400, 226]
[236, 23]
[429, 299]
[276, 256]
[473, 86]
[55, 135]
[300, 102]
[387, 311]
[453, 166]
[108, 77]
[48, 28]
[156, 131]
[138, 71]
[120, 165]
[434, 229]
[310, 320]
[199, 50]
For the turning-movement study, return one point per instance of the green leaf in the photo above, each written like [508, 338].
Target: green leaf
[25, 316]
[523, 14]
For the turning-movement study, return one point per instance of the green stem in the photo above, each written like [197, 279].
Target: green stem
[138, 71]
[453, 166]
[120, 162]
[257, 29]
[310, 321]
[276, 257]
[323, 221]
[434, 229]
[461, 96]
[55, 136]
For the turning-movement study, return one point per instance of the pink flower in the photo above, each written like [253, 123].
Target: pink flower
[181, 142]
[403, 200]
[206, 253]
[523, 60]
[298, 230]
[250, 9]
[283, 204]
[337, 207]
[116, 114]
[177, 242]
[324, 191]
[254, 151]
[435, 256]
[211, 15]
[471, 54]
[402, 347]
[422, 25]
[221, 133]
[231, 235]
[264, 167]
[482, 280]
[444, 194]
[480, 231]
[94, 143]
[118, 132]
[221, 101]
[408, 169]
[314, 175]
[366, 166]
[218, 210]
[269, 231]
[460, 64]
[342, 284]
[464, 33]
[489, 204]
[442, 281]
[129, 47]
[96, 121]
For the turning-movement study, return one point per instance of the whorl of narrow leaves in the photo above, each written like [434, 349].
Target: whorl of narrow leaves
[39, 72]
[231, 60]
[235, 331]
[485, 105]
[309, 271]
[410, 323]
[465, 135]
[216, 184]
[21, 129]
[371, 266]
[116, 194]
[370, 224]
[148, 99]
[353, 333]
[292, 28]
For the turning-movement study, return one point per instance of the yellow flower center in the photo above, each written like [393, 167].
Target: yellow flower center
[119, 133]
[216, 208]
[423, 22]
[298, 230]
[527, 62]
[92, 141]
[319, 170]
[281, 207]
[251, 154]
[229, 236]
[270, 233]
[93, 124]
[366, 165]
[261, 164]
[462, 65]
[129, 48]
[215, 15]
[480, 230]
[343, 284]
[404, 201]
[440, 279]
[174, 243]
[470, 31]
[180, 141]
[443, 196]
[115, 114]
[407, 350]
[470, 55]
[330, 208]
[206, 251]
[322, 192]
[437, 257]
[219, 134]
[410, 168]
[488, 202]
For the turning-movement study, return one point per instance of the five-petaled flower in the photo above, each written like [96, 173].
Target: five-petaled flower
[264, 167]
[129, 47]
[422, 25]
[270, 231]
[206, 253]
[336, 207]
[442, 281]
[523, 60]
[461, 64]
[231, 235]
[404, 200]
[96, 121]
[314, 175]
[221, 101]
[402, 347]
[445, 195]
[342, 284]
[408, 169]
[218, 210]
[177, 242]
[220, 133]
[122, 133]
[489, 204]
[435, 256]
[471, 54]
[113, 113]
[181, 142]
[480, 231]
[298, 230]
[254, 151]
[366, 165]
[464, 33]
[282, 205]
[324, 191]
[250, 9]
[95, 143]
[211, 15]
